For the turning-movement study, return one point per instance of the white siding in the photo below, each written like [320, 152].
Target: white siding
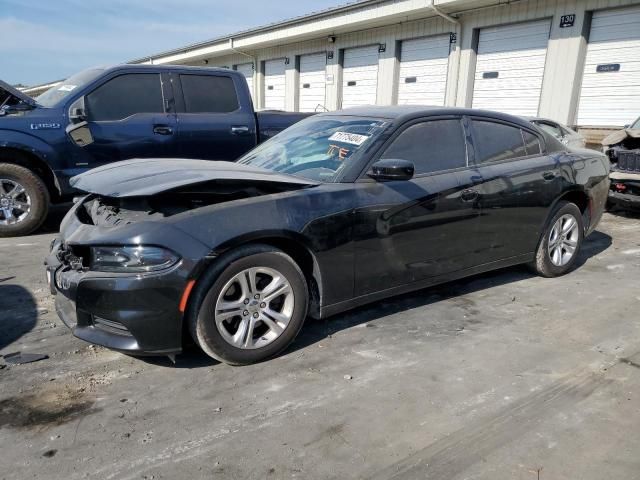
[312, 81]
[274, 84]
[516, 54]
[612, 98]
[247, 70]
[424, 64]
[360, 76]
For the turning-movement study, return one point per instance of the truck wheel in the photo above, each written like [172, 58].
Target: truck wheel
[249, 306]
[561, 241]
[24, 200]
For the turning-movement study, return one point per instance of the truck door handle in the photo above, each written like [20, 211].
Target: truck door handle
[162, 130]
[549, 175]
[240, 130]
[469, 195]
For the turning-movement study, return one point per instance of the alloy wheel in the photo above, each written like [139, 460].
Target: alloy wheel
[563, 240]
[254, 307]
[15, 202]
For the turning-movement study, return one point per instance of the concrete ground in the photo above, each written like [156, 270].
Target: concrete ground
[501, 376]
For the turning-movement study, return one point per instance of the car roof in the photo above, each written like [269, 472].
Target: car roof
[403, 113]
[131, 66]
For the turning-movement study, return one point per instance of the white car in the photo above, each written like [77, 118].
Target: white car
[563, 133]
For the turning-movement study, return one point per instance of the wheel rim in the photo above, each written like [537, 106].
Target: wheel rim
[254, 308]
[15, 202]
[563, 240]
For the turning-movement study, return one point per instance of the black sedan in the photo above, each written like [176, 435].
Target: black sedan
[339, 210]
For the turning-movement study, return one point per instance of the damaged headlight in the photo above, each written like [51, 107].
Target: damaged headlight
[139, 258]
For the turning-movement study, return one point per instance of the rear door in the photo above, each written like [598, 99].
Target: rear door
[422, 228]
[212, 123]
[129, 115]
[518, 184]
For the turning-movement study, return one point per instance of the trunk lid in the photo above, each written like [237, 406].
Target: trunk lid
[146, 177]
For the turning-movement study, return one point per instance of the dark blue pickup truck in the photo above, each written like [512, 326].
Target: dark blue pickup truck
[103, 115]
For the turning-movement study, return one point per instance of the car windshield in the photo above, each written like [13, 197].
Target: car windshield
[317, 148]
[636, 124]
[57, 94]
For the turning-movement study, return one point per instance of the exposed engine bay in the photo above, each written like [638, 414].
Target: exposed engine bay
[116, 211]
[623, 149]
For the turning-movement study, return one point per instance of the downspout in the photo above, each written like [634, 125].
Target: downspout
[458, 29]
[254, 62]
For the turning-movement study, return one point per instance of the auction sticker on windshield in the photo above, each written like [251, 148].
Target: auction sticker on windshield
[66, 88]
[352, 138]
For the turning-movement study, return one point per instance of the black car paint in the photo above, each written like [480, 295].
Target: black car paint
[364, 240]
[39, 134]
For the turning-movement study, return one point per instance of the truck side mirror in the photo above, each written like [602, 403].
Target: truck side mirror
[77, 112]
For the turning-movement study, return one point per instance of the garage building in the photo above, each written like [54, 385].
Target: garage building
[577, 62]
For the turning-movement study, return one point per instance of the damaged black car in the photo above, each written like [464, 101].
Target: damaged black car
[337, 211]
[623, 149]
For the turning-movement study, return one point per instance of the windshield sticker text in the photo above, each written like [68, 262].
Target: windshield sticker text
[67, 88]
[341, 151]
[352, 138]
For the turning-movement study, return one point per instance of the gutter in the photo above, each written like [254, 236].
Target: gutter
[458, 29]
[439, 12]
[254, 62]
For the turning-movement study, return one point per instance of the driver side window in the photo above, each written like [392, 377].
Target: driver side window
[432, 146]
[125, 95]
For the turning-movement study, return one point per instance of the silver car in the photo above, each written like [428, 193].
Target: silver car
[563, 133]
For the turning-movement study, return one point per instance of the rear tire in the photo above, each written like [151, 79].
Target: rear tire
[561, 240]
[236, 318]
[24, 201]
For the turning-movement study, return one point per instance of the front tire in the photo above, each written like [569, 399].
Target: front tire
[560, 244]
[249, 306]
[24, 201]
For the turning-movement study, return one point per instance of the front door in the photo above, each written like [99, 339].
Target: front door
[128, 116]
[413, 230]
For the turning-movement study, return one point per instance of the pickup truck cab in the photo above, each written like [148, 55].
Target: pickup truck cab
[104, 115]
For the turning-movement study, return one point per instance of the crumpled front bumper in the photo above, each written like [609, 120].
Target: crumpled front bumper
[132, 313]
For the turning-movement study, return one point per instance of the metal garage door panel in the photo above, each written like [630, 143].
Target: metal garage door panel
[611, 98]
[274, 84]
[312, 81]
[510, 67]
[246, 69]
[360, 76]
[423, 71]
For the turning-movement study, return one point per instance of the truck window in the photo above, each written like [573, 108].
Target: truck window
[208, 94]
[124, 96]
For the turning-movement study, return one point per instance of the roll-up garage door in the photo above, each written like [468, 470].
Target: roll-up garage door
[312, 81]
[610, 94]
[423, 71]
[246, 69]
[360, 76]
[274, 84]
[510, 67]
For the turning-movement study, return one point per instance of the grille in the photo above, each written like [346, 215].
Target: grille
[629, 161]
[110, 326]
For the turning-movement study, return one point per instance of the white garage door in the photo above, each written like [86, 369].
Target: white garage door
[274, 84]
[510, 67]
[312, 81]
[360, 76]
[610, 94]
[423, 71]
[246, 69]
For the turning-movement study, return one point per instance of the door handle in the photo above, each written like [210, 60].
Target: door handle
[549, 175]
[162, 130]
[469, 195]
[240, 130]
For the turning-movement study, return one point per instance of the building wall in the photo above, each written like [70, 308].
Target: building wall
[390, 22]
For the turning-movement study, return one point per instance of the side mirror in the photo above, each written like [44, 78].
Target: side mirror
[392, 169]
[77, 112]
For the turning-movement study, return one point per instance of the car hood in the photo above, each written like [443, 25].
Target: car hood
[144, 177]
[7, 92]
[620, 136]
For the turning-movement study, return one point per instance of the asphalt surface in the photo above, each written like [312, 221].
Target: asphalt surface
[501, 376]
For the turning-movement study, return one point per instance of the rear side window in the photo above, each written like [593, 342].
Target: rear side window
[552, 129]
[496, 141]
[208, 94]
[531, 143]
[432, 146]
[124, 96]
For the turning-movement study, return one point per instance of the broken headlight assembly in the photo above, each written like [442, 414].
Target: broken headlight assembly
[131, 259]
